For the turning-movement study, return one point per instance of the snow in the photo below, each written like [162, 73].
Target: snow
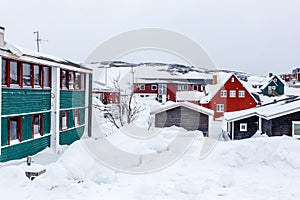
[189, 95]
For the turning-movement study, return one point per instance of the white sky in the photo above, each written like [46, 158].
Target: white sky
[256, 36]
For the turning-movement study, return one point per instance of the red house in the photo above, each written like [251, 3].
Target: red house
[106, 94]
[227, 94]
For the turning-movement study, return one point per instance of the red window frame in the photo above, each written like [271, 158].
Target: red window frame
[82, 81]
[19, 74]
[69, 80]
[67, 117]
[75, 79]
[19, 129]
[40, 74]
[76, 114]
[6, 63]
[43, 77]
[40, 124]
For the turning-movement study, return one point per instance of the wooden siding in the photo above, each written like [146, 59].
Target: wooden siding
[18, 101]
[182, 117]
[281, 125]
[252, 127]
[70, 136]
[279, 88]
[24, 149]
[72, 99]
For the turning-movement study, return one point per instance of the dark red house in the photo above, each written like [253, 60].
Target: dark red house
[227, 94]
[106, 94]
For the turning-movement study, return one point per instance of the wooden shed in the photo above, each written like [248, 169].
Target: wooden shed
[274, 119]
[184, 114]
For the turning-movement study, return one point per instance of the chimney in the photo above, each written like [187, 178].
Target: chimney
[2, 30]
[270, 74]
[215, 79]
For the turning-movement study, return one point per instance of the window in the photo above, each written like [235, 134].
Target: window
[63, 77]
[37, 75]
[232, 79]
[182, 87]
[26, 74]
[37, 125]
[220, 107]
[71, 80]
[153, 87]
[232, 93]
[82, 82]
[142, 87]
[242, 93]
[243, 127]
[47, 77]
[4, 71]
[296, 129]
[14, 129]
[77, 80]
[64, 120]
[185, 87]
[76, 118]
[179, 87]
[14, 73]
[195, 87]
[223, 93]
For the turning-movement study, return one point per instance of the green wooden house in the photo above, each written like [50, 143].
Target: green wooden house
[273, 86]
[45, 101]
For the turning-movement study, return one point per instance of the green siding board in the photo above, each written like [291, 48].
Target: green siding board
[46, 122]
[18, 101]
[26, 127]
[4, 131]
[72, 99]
[70, 136]
[24, 149]
[70, 118]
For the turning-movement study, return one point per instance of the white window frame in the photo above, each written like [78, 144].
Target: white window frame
[293, 128]
[153, 85]
[223, 93]
[220, 108]
[232, 79]
[142, 87]
[179, 88]
[231, 92]
[243, 127]
[242, 92]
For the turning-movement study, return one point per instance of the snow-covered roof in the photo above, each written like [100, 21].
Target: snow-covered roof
[32, 56]
[185, 104]
[101, 87]
[268, 80]
[189, 95]
[211, 90]
[268, 111]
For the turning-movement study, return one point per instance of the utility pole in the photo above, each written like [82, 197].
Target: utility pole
[38, 40]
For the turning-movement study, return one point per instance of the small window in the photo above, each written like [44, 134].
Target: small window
[296, 129]
[37, 125]
[76, 118]
[185, 87]
[243, 127]
[47, 77]
[63, 79]
[195, 87]
[71, 80]
[223, 93]
[153, 87]
[14, 129]
[220, 108]
[232, 93]
[232, 79]
[275, 80]
[64, 120]
[26, 74]
[142, 87]
[241, 93]
[14, 73]
[37, 76]
[179, 87]
[77, 80]
[4, 71]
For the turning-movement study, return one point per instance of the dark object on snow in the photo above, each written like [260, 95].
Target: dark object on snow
[33, 174]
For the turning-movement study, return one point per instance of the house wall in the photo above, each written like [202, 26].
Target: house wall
[279, 88]
[281, 125]
[183, 117]
[252, 127]
[171, 91]
[147, 90]
[231, 103]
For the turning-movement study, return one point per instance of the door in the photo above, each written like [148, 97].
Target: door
[162, 93]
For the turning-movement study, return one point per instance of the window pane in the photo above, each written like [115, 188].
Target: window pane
[4, 75]
[14, 75]
[77, 82]
[82, 82]
[64, 78]
[36, 124]
[13, 129]
[37, 75]
[46, 76]
[64, 120]
[71, 80]
[297, 129]
[26, 74]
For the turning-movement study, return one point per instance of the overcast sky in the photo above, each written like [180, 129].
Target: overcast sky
[256, 36]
